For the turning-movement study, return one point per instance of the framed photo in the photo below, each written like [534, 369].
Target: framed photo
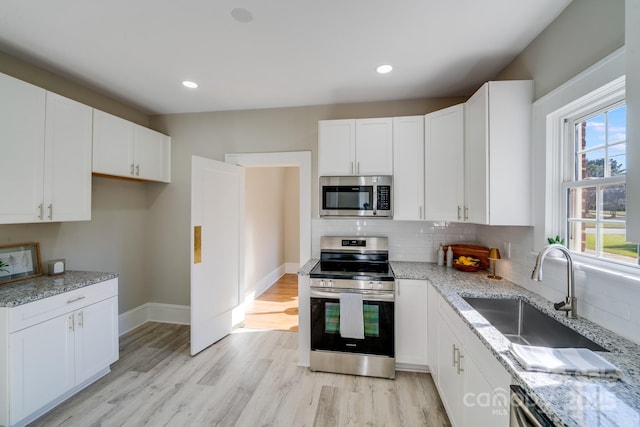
[19, 262]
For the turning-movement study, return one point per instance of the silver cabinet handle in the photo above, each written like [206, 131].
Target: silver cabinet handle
[466, 213]
[357, 168]
[131, 167]
[76, 299]
[70, 322]
[40, 209]
[80, 319]
[459, 216]
[460, 357]
[353, 171]
[51, 211]
[138, 170]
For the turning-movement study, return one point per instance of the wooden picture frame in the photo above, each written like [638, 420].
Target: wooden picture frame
[19, 262]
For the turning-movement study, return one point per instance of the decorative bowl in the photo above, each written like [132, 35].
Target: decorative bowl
[468, 268]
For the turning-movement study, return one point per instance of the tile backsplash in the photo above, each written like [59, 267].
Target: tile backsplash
[408, 240]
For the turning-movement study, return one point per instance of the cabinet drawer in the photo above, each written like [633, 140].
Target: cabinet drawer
[35, 312]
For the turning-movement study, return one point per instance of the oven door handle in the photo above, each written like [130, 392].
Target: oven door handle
[367, 295]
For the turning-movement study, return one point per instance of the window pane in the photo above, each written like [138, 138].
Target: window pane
[614, 202]
[582, 203]
[582, 237]
[593, 132]
[617, 125]
[590, 165]
[615, 247]
[618, 159]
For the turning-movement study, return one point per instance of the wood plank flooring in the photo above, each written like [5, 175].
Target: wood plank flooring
[276, 308]
[249, 378]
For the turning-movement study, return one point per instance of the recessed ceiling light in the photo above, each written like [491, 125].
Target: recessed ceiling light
[241, 15]
[384, 69]
[190, 85]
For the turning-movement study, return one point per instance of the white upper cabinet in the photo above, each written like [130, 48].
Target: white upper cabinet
[632, 53]
[67, 168]
[497, 154]
[444, 164]
[374, 147]
[124, 149]
[355, 147]
[45, 155]
[22, 109]
[408, 166]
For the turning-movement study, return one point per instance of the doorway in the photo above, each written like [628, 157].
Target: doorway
[266, 306]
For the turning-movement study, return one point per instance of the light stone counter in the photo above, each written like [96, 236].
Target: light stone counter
[566, 399]
[24, 291]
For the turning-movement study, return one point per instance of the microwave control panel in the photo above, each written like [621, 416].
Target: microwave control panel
[384, 197]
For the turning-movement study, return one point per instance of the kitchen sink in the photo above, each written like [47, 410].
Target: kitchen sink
[522, 323]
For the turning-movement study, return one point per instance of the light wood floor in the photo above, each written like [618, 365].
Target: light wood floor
[250, 378]
[277, 307]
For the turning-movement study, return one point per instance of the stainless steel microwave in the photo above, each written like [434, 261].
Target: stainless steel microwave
[356, 196]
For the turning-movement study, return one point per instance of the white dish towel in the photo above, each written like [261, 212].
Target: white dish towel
[351, 316]
[574, 361]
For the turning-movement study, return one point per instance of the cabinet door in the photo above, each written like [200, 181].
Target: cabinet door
[42, 365]
[374, 146]
[151, 154]
[336, 147]
[632, 53]
[22, 110]
[444, 164]
[480, 406]
[112, 145]
[476, 156]
[449, 379]
[432, 331]
[408, 166]
[96, 328]
[411, 322]
[67, 167]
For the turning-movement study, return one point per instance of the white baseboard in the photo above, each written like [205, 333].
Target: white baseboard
[266, 281]
[153, 312]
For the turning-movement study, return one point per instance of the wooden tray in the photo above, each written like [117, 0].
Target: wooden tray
[479, 252]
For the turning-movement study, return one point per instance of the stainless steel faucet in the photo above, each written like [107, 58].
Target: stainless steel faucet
[569, 304]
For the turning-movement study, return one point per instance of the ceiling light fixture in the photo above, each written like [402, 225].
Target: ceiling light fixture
[189, 84]
[384, 69]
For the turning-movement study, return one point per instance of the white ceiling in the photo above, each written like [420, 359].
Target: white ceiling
[292, 53]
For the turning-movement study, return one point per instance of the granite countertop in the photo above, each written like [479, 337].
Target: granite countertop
[566, 399]
[24, 291]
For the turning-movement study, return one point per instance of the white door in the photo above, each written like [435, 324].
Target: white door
[217, 219]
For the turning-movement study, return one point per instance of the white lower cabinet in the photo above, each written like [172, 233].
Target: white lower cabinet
[50, 357]
[473, 386]
[411, 324]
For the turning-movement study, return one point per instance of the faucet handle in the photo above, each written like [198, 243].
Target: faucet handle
[559, 305]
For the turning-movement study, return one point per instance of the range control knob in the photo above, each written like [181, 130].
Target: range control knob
[370, 285]
[330, 284]
[322, 284]
[380, 285]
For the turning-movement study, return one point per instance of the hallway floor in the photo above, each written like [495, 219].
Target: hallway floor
[277, 308]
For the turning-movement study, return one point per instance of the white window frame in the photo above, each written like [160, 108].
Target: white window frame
[560, 140]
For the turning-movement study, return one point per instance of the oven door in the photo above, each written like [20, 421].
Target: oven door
[378, 310]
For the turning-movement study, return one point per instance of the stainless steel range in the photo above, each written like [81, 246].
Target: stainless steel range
[352, 308]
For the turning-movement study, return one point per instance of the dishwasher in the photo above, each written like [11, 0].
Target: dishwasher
[524, 411]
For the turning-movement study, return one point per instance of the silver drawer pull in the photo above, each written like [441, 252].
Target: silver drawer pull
[76, 299]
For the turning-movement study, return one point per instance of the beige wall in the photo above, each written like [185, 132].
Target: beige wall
[584, 33]
[214, 134]
[264, 224]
